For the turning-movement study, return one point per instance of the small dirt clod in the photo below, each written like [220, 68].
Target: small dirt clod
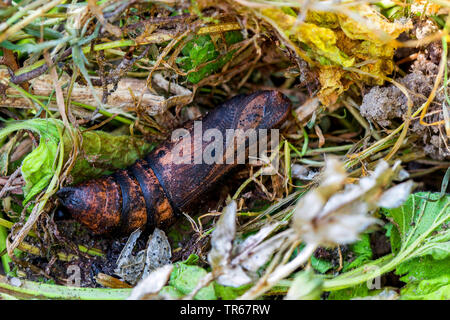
[387, 106]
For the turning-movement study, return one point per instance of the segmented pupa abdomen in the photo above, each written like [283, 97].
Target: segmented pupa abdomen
[151, 191]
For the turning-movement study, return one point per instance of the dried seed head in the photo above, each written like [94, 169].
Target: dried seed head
[335, 213]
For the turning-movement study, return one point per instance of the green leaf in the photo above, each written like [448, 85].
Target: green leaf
[439, 250]
[197, 51]
[233, 37]
[306, 286]
[362, 251]
[358, 291]
[192, 259]
[104, 152]
[36, 30]
[100, 153]
[201, 50]
[37, 166]
[28, 47]
[172, 292]
[38, 169]
[321, 265]
[423, 213]
[185, 278]
[419, 241]
[39, 290]
[423, 268]
[210, 68]
[230, 293]
[434, 289]
[427, 265]
[5, 259]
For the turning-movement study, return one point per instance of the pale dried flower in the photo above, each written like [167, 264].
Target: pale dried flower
[335, 213]
[149, 287]
[306, 286]
[236, 264]
[302, 172]
[132, 267]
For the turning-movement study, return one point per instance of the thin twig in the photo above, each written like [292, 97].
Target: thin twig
[10, 180]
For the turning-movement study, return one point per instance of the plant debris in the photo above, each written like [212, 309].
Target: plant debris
[352, 203]
[132, 268]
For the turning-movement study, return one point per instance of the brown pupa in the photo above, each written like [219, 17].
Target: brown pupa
[152, 192]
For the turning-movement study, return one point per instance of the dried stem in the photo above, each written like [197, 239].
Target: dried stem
[279, 273]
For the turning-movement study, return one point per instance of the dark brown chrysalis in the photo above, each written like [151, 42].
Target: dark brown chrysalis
[153, 190]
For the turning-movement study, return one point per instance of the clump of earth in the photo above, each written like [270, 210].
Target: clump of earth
[387, 106]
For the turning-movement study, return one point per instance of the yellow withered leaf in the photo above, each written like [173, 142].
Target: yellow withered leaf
[333, 84]
[368, 24]
[323, 19]
[382, 65]
[356, 45]
[321, 40]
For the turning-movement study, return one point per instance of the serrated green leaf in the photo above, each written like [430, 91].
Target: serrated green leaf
[423, 213]
[423, 268]
[422, 224]
[434, 289]
[418, 240]
[438, 251]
